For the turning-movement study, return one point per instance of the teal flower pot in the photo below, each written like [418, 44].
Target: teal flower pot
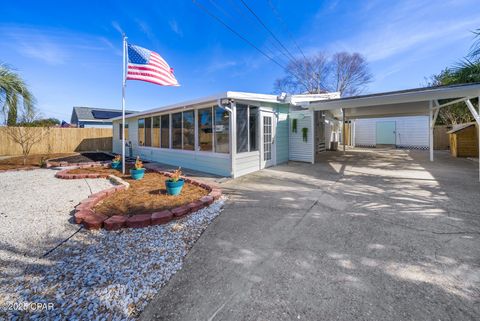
[174, 188]
[137, 173]
[116, 165]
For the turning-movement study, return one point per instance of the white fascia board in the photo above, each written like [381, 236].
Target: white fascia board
[180, 105]
[204, 100]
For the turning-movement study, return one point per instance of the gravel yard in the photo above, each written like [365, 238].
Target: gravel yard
[35, 215]
[93, 275]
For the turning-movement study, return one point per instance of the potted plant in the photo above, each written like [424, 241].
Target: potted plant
[138, 172]
[175, 183]
[116, 162]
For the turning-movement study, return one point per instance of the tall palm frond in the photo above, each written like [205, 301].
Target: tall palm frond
[13, 90]
[475, 49]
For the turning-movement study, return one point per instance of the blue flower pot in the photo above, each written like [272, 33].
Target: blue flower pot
[137, 173]
[116, 165]
[174, 188]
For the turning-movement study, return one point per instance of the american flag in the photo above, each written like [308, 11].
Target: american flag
[146, 65]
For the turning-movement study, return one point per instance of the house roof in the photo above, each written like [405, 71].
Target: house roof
[292, 99]
[413, 101]
[459, 127]
[97, 114]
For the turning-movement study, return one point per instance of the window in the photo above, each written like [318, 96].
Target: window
[189, 130]
[141, 132]
[156, 131]
[120, 131]
[165, 119]
[177, 131]
[222, 129]
[148, 131]
[247, 117]
[205, 129]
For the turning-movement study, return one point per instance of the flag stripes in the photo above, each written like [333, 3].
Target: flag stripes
[146, 65]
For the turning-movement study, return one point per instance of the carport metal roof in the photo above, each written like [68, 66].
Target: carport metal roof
[410, 102]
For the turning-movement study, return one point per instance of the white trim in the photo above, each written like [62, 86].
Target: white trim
[390, 98]
[294, 100]
[233, 137]
[313, 136]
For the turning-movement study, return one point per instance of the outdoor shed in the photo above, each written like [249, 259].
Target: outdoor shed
[464, 140]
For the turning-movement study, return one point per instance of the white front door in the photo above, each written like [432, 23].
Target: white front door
[268, 150]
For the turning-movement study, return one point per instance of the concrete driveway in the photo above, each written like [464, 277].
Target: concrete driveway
[370, 235]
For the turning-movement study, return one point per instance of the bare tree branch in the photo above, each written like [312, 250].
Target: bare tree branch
[343, 72]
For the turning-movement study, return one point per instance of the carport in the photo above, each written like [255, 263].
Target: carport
[410, 102]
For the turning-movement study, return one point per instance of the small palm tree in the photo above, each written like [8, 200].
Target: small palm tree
[13, 90]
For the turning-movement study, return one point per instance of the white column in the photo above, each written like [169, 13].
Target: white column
[233, 137]
[343, 129]
[352, 126]
[430, 123]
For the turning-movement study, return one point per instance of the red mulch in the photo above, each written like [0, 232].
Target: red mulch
[144, 196]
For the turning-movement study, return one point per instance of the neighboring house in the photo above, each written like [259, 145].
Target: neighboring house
[402, 132]
[230, 134]
[94, 117]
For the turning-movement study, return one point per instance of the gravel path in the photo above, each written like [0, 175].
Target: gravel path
[97, 275]
[35, 215]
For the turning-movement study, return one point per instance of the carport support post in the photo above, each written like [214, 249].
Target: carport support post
[343, 129]
[431, 124]
[477, 119]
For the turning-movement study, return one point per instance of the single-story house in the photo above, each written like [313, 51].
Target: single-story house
[94, 117]
[235, 133]
[229, 134]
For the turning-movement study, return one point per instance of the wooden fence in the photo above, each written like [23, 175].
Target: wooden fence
[61, 140]
[441, 140]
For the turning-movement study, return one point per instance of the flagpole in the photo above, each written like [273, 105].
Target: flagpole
[123, 102]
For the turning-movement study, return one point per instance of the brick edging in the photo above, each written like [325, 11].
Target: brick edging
[84, 213]
[52, 163]
[63, 174]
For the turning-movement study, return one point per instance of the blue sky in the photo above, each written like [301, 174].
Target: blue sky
[69, 52]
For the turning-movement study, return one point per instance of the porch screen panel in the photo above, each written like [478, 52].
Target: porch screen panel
[189, 130]
[165, 120]
[148, 131]
[253, 124]
[141, 132]
[242, 128]
[205, 129]
[177, 131]
[221, 131]
[156, 131]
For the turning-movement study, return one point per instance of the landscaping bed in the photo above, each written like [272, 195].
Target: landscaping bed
[33, 161]
[147, 196]
[136, 203]
[85, 158]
